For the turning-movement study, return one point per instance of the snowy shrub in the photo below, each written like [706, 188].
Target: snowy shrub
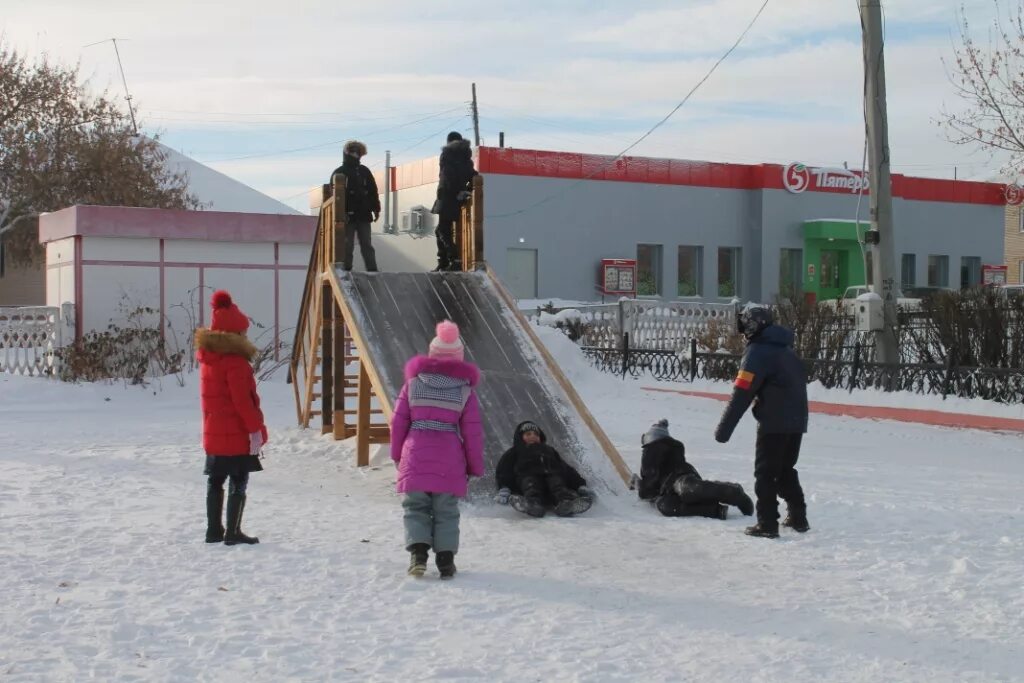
[132, 353]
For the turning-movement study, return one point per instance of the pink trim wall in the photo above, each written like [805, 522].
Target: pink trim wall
[216, 226]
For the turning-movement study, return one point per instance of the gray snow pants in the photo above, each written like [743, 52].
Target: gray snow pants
[432, 518]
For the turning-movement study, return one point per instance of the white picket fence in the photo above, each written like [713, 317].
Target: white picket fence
[652, 325]
[29, 335]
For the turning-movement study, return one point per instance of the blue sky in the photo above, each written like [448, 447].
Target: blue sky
[245, 87]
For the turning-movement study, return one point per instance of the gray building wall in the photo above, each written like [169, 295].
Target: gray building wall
[581, 222]
[573, 224]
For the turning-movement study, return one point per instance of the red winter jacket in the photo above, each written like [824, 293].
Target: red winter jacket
[227, 388]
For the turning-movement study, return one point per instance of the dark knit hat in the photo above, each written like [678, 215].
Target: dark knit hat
[454, 135]
[226, 316]
[529, 427]
[658, 430]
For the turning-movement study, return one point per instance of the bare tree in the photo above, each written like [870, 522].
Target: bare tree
[990, 80]
[62, 145]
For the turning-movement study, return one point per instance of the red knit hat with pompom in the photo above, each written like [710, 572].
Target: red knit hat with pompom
[226, 316]
[447, 343]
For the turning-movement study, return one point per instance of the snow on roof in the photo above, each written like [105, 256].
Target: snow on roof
[218, 192]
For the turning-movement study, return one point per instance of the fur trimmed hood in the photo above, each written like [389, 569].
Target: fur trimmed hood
[227, 343]
[458, 369]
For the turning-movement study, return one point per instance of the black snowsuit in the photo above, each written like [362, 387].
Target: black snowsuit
[773, 378]
[362, 199]
[455, 175]
[537, 471]
[676, 488]
[361, 203]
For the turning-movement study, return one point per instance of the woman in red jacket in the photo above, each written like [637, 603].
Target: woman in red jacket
[233, 429]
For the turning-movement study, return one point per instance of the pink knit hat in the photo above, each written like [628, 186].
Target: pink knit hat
[447, 343]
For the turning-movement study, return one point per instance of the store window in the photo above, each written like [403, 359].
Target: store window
[1020, 272]
[908, 270]
[791, 270]
[648, 269]
[938, 271]
[691, 272]
[970, 271]
[729, 284]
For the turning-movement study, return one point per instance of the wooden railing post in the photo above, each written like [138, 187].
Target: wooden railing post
[477, 223]
[363, 418]
[327, 331]
[337, 254]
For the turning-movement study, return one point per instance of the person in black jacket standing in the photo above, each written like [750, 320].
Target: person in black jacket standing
[362, 205]
[452, 189]
[532, 475]
[772, 377]
[674, 485]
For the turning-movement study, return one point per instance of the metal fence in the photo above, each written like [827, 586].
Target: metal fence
[856, 370]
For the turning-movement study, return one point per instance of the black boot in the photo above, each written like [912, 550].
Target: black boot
[529, 506]
[572, 504]
[418, 559]
[214, 512]
[728, 493]
[711, 510]
[233, 534]
[797, 520]
[764, 530]
[445, 563]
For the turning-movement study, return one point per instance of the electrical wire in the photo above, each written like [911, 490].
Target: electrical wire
[333, 142]
[653, 128]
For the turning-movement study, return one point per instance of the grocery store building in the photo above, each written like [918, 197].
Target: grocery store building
[703, 229]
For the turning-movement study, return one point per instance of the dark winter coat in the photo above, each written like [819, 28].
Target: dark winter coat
[663, 461]
[456, 173]
[524, 460]
[227, 390]
[772, 377]
[361, 196]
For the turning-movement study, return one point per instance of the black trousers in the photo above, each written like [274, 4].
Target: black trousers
[239, 482]
[360, 229]
[775, 475]
[445, 234]
[549, 487]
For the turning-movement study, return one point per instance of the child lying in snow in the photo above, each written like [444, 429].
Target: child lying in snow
[674, 485]
[532, 475]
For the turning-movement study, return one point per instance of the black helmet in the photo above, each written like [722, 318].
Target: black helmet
[752, 319]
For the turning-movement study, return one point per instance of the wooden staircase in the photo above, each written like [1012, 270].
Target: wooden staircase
[328, 372]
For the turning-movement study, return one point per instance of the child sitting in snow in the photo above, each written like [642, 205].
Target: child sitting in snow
[674, 485]
[436, 442]
[532, 475]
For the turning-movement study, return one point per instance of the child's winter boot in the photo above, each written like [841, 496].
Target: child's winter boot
[418, 559]
[572, 505]
[797, 520]
[214, 513]
[764, 530]
[233, 533]
[528, 506]
[445, 560]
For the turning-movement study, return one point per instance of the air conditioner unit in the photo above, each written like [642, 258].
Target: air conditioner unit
[416, 220]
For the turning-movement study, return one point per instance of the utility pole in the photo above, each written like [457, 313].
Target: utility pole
[881, 236]
[476, 119]
[124, 81]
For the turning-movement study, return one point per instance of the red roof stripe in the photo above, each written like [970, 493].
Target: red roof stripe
[576, 166]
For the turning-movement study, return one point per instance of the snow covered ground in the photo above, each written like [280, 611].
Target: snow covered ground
[913, 570]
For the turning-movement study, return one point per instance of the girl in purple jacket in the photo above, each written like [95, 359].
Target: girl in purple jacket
[436, 443]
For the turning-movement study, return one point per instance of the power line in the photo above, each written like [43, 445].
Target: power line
[653, 128]
[334, 142]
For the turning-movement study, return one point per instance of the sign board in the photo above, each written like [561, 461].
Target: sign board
[797, 178]
[993, 275]
[1014, 194]
[617, 276]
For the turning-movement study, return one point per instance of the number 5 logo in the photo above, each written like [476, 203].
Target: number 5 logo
[796, 177]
